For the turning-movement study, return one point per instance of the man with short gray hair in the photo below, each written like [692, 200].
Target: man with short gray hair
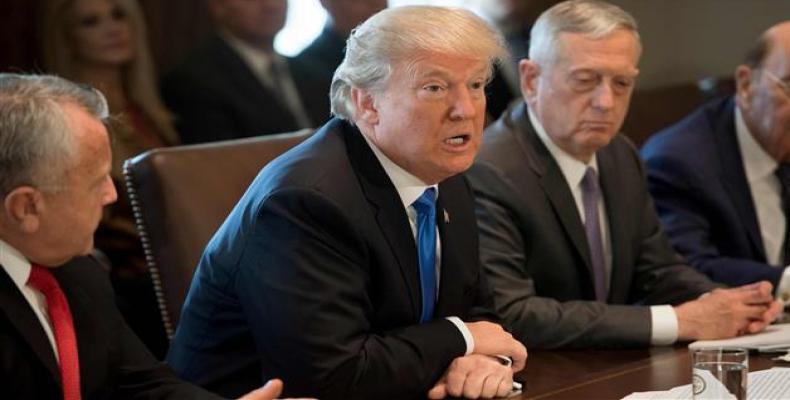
[569, 238]
[350, 267]
[61, 335]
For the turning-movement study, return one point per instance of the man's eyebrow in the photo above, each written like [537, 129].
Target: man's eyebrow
[444, 74]
[433, 73]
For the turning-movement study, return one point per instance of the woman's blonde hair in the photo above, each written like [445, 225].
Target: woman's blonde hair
[138, 78]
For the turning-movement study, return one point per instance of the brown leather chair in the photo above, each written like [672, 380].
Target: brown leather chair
[180, 195]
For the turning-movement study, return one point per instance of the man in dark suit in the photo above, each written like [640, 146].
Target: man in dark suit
[569, 238]
[236, 85]
[350, 267]
[716, 175]
[328, 48]
[61, 335]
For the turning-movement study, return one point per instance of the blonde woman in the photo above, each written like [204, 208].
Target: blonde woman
[103, 43]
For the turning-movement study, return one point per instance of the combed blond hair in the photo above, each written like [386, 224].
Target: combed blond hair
[139, 79]
[399, 35]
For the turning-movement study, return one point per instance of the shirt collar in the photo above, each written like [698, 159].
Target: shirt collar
[757, 163]
[15, 264]
[571, 168]
[257, 59]
[409, 187]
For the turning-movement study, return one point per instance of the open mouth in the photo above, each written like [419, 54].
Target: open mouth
[458, 140]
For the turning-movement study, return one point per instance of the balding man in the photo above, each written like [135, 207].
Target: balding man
[720, 177]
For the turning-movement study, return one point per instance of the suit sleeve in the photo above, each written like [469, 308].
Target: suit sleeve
[137, 373]
[682, 208]
[307, 270]
[661, 275]
[538, 321]
[141, 376]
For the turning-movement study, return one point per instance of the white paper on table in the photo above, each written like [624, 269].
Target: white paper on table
[657, 395]
[678, 393]
[773, 335]
[769, 384]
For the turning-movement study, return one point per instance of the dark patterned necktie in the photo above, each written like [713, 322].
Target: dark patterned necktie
[591, 192]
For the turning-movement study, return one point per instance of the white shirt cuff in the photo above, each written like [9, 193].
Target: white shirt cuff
[783, 290]
[470, 341]
[665, 325]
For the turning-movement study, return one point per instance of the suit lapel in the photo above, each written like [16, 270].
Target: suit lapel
[81, 313]
[18, 311]
[246, 81]
[450, 289]
[389, 211]
[554, 185]
[733, 177]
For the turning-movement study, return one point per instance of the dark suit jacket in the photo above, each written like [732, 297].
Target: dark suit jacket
[326, 51]
[215, 96]
[696, 176]
[314, 278]
[534, 249]
[114, 364]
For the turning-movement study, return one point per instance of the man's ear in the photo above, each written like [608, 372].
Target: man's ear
[23, 207]
[528, 72]
[743, 86]
[365, 106]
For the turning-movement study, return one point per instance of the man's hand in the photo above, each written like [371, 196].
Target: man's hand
[725, 313]
[269, 391]
[474, 376]
[491, 340]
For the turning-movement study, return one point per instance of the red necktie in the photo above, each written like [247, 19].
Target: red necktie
[63, 326]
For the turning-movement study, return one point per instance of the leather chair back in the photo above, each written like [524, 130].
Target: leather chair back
[180, 196]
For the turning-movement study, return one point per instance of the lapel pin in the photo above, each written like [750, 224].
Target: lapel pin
[446, 217]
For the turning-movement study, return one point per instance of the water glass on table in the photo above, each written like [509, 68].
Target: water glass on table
[719, 373]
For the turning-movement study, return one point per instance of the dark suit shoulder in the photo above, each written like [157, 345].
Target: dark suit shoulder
[202, 67]
[319, 163]
[88, 273]
[686, 150]
[503, 142]
[694, 132]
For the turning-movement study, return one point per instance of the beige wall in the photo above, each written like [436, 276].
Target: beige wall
[685, 40]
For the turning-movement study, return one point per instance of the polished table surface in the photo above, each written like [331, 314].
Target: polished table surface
[611, 374]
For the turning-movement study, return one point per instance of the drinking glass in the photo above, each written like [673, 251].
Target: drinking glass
[719, 373]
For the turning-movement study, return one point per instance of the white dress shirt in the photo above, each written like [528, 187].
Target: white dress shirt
[664, 328]
[410, 188]
[766, 192]
[18, 268]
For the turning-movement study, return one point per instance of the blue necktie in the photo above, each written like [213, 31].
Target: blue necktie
[592, 226]
[425, 206]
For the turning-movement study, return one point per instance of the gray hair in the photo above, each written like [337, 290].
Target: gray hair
[35, 141]
[591, 18]
[401, 34]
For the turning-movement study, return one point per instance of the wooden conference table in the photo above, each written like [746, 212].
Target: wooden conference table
[611, 374]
